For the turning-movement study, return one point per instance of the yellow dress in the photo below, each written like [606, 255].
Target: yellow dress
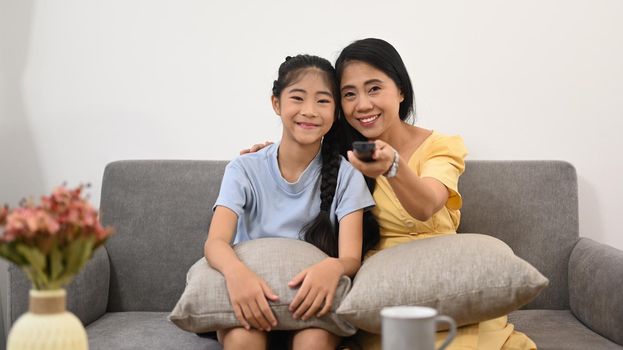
[440, 157]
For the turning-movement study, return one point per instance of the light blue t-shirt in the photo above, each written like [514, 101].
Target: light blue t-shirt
[269, 206]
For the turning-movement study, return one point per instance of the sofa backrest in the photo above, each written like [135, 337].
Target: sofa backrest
[533, 207]
[162, 209]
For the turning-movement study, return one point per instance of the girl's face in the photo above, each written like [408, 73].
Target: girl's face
[370, 99]
[306, 108]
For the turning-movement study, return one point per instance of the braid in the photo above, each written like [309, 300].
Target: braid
[320, 231]
[330, 168]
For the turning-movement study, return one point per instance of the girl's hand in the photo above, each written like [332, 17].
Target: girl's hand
[383, 157]
[318, 285]
[256, 147]
[248, 294]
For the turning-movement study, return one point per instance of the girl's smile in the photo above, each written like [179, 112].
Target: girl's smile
[307, 126]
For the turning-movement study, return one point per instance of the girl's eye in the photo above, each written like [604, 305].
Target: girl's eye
[296, 98]
[324, 101]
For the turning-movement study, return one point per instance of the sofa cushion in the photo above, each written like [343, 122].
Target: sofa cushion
[469, 277]
[558, 330]
[161, 211]
[204, 306]
[533, 207]
[143, 330]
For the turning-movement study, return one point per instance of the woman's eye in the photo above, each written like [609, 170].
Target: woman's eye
[348, 94]
[375, 88]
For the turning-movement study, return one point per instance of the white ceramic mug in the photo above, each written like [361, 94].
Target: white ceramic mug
[413, 328]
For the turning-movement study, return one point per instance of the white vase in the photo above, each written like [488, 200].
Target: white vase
[47, 325]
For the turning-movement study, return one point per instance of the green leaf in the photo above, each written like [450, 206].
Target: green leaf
[35, 267]
[78, 253]
[35, 258]
[55, 270]
[87, 253]
[64, 280]
[9, 252]
[56, 262]
[38, 278]
[72, 254]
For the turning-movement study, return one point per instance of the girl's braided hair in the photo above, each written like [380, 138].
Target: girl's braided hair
[319, 231]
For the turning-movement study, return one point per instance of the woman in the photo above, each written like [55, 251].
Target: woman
[416, 170]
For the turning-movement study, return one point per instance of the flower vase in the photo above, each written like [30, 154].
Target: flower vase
[47, 325]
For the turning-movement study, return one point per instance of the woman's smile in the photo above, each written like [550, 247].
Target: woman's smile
[369, 120]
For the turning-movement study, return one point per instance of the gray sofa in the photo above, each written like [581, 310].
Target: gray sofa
[162, 209]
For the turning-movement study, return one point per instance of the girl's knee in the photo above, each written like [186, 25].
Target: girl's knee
[314, 338]
[240, 338]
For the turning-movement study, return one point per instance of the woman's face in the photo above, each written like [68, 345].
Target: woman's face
[370, 99]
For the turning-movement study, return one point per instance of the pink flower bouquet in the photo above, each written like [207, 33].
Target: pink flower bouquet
[52, 240]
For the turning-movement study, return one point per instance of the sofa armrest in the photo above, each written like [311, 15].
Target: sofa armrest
[595, 284]
[87, 294]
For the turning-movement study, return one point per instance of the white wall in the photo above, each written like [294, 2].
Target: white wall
[86, 82]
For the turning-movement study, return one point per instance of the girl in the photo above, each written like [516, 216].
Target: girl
[274, 192]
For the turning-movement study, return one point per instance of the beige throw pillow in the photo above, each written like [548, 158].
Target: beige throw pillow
[204, 306]
[470, 277]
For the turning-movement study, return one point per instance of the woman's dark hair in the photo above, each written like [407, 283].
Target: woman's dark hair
[371, 231]
[383, 56]
[319, 231]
